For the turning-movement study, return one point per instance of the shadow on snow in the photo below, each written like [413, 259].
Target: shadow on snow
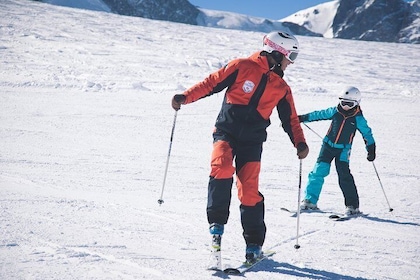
[308, 273]
[270, 265]
[377, 219]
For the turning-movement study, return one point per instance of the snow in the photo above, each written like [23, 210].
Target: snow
[318, 19]
[222, 19]
[85, 122]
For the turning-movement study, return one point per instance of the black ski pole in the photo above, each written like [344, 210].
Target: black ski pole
[160, 200]
[383, 190]
[297, 246]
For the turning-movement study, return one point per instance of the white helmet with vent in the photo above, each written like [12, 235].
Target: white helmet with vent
[350, 97]
[351, 93]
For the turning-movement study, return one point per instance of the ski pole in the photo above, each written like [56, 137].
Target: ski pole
[383, 190]
[297, 246]
[160, 200]
[312, 130]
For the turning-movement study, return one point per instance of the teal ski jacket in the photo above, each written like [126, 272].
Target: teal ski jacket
[343, 126]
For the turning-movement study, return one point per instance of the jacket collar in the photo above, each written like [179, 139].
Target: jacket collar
[262, 61]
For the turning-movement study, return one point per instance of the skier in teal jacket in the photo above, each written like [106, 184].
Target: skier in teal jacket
[345, 118]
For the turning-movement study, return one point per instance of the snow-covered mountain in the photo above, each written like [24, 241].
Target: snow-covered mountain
[378, 20]
[368, 20]
[171, 10]
[318, 19]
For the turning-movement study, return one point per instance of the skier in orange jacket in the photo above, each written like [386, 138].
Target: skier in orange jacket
[255, 86]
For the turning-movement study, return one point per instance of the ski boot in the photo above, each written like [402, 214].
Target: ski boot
[216, 231]
[350, 211]
[253, 252]
[307, 205]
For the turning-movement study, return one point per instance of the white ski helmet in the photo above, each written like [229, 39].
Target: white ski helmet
[350, 98]
[351, 93]
[282, 42]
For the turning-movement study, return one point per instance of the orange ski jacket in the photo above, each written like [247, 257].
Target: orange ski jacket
[252, 93]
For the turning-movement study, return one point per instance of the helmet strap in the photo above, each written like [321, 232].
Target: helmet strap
[276, 66]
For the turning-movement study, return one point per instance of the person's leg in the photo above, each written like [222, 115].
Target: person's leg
[248, 163]
[317, 175]
[346, 180]
[220, 182]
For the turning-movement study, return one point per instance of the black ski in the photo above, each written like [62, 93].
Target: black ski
[245, 266]
[339, 218]
[287, 210]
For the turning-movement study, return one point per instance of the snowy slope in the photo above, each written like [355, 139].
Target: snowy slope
[85, 121]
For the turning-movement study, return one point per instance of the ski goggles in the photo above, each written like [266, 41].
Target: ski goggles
[348, 104]
[291, 56]
[278, 56]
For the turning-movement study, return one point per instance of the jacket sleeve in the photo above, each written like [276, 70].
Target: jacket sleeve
[214, 83]
[326, 114]
[289, 119]
[365, 130]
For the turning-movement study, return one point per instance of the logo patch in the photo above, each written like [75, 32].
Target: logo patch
[248, 86]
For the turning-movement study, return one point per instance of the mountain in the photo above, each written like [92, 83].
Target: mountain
[228, 20]
[367, 20]
[379, 20]
[172, 10]
[318, 19]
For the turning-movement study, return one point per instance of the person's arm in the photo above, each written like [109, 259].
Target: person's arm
[325, 114]
[367, 135]
[214, 83]
[290, 123]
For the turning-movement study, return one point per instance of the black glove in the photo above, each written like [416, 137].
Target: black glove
[177, 101]
[302, 150]
[303, 118]
[371, 149]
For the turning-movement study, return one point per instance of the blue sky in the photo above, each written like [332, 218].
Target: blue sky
[271, 9]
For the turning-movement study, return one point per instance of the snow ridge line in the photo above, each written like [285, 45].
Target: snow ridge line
[110, 258]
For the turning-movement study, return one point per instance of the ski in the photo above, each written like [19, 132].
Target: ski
[339, 218]
[287, 210]
[294, 213]
[245, 266]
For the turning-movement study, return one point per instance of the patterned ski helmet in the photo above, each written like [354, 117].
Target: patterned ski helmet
[282, 42]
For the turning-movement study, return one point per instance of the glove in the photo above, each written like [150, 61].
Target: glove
[302, 150]
[303, 118]
[371, 149]
[177, 101]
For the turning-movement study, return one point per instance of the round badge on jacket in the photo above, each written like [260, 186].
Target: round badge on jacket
[248, 86]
